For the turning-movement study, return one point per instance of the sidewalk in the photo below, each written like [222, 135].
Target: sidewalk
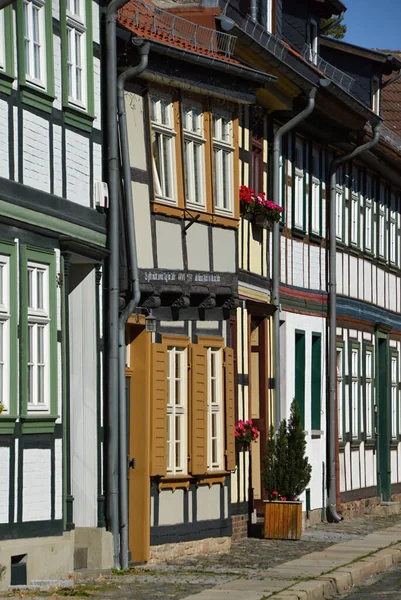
[329, 558]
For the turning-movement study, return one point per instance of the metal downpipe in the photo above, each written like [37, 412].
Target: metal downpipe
[113, 275]
[143, 50]
[332, 504]
[277, 150]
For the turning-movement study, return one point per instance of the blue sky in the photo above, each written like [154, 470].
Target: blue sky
[374, 23]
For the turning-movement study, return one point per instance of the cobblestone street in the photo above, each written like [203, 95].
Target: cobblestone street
[248, 559]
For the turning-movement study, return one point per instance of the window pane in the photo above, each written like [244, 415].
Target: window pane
[30, 289]
[167, 166]
[40, 289]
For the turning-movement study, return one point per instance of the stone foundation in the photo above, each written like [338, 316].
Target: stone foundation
[312, 517]
[220, 545]
[370, 506]
[239, 526]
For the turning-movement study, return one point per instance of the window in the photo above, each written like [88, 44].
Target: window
[177, 401]
[194, 157]
[35, 41]
[316, 374]
[394, 395]
[38, 337]
[2, 42]
[368, 205]
[368, 391]
[223, 152]
[315, 193]
[214, 408]
[340, 391]
[340, 204]
[163, 148]
[5, 314]
[355, 204]
[382, 222]
[355, 386]
[299, 189]
[376, 95]
[393, 230]
[313, 42]
[76, 52]
[300, 373]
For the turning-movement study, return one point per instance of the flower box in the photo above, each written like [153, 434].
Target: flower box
[256, 207]
[262, 221]
[283, 520]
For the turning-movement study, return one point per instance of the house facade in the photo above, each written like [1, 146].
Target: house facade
[51, 253]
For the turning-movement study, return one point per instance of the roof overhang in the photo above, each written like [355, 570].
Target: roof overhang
[388, 61]
[332, 7]
[4, 3]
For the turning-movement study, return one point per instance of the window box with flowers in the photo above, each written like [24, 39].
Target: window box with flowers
[245, 433]
[257, 208]
[286, 473]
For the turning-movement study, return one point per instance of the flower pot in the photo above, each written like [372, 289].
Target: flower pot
[241, 446]
[262, 221]
[283, 520]
[248, 216]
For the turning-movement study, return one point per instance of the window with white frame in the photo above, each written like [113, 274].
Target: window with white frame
[368, 381]
[269, 16]
[215, 409]
[163, 148]
[355, 399]
[393, 230]
[194, 156]
[315, 191]
[76, 52]
[177, 411]
[382, 222]
[340, 390]
[35, 41]
[223, 158]
[339, 204]
[38, 337]
[376, 95]
[355, 204]
[368, 214]
[299, 186]
[394, 395]
[5, 310]
[2, 42]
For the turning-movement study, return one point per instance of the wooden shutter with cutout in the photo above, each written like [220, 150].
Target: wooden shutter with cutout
[158, 455]
[198, 411]
[229, 408]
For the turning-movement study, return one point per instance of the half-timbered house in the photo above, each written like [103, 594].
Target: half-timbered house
[51, 252]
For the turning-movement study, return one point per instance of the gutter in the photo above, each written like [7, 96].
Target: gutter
[277, 152]
[111, 367]
[143, 49]
[332, 504]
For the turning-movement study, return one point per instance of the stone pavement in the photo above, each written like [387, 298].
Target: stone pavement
[328, 559]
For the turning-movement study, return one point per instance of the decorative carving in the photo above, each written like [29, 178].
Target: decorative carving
[67, 263]
[232, 302]
[153, 301]
[208, 302]
[181, 302]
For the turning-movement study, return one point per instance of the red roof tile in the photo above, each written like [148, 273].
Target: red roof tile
[390, 109]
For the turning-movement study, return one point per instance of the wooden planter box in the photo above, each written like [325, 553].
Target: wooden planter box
[283, 520]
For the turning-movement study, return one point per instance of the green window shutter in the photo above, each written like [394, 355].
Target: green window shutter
[37, 422]
[300, 373]
[316, 380]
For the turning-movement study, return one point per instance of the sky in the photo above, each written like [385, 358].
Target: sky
[373, 23]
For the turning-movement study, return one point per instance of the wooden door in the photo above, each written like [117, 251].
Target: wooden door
[138, 384]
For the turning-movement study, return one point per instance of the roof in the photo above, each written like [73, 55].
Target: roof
[390, 108]
[388, 60]
[336, 6]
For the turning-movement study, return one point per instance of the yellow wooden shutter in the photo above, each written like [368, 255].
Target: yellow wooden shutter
[158, 456]
[198, 411]
[229, 408]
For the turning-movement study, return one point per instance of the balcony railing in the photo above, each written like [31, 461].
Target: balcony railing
[175, 28]
[342, 79]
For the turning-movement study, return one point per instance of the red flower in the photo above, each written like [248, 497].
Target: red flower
[274, 493]
[283, 498]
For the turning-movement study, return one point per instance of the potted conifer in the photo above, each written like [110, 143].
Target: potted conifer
[286, 473]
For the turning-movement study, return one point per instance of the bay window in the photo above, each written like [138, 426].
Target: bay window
[223, 153]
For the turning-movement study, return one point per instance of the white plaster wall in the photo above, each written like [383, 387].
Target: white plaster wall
[283, 272]
[171, 507]
[58, 483]
[169, 245]
[143, 230]
[57, 161]
[208, 502]
[394, 465]
[36, 156]
[224, 250]
[197, 239]
[4, 484]
[297, 264]
[4, 160]
[16, 484]
[370, 468]
[83, 395]
[36, 492]
[77, 159]
[314, 283]
[16, 137]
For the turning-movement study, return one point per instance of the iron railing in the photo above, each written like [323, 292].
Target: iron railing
[176, 28]
[266, 39]
[341, 79]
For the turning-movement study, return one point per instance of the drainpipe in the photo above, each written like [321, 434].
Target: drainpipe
[332, 504]
[143, 49]
[113, 274]
[253, 10]
[277, 150]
